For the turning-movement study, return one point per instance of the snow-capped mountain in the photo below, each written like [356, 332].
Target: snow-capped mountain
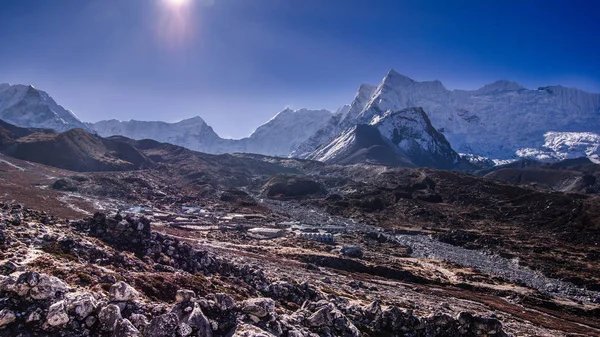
[192, 133]
[284, 132]
[27, 106]
[361, 143]
[277, 137]
[411, 131]
[406, 136]
[341, 120]
[495, 121]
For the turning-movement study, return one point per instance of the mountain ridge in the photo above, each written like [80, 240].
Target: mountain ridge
[501, 121]
[278, 136]
[479, 122]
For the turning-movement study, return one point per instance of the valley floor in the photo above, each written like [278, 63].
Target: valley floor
[392, 279]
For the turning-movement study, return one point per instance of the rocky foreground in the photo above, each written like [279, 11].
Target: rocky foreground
[115, 276]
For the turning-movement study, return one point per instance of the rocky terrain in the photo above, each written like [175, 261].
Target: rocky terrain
[249, 245]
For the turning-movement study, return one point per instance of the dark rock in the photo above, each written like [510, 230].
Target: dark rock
[352, 251]
[292, 186]
[65, 184]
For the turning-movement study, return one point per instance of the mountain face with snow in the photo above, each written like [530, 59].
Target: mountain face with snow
[565, 145]
[496, 121]
[277, 137]
[192, 133]
[400, 138]
[411, 131]
[27, 106]
[284, 132]
[341, 120]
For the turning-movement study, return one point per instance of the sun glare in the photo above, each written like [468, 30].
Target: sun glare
[177, 3]
[176, 22]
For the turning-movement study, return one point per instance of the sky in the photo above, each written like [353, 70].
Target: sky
[236, 63]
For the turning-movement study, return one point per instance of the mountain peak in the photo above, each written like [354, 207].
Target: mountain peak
[394, 78]
[192, 120]
[501, 85]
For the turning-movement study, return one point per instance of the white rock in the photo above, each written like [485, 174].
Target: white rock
[57, 314]
[184, 295]
[259, 307]
[47, 287]
[122, 291]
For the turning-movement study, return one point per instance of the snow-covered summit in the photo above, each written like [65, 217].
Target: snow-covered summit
[284, 132]
[192, 133]
[26, 106]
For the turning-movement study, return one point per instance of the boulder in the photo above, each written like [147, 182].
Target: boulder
[321, 318]
[352, 251]
[6, 317]
[163, 326]
[139, 321]
[57, 314]
[259, 307]
[196, 320]
[292, 186]
[109, 317]
[247, 330]
[82, 304]
[122, 292]
[223, 301]
[65, 184]
[47, 287]
[126, 329]
[184, 295]
[486, 326]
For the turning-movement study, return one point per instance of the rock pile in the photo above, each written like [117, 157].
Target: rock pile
[37, 304]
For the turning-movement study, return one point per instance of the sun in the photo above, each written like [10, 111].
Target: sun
[177, 3]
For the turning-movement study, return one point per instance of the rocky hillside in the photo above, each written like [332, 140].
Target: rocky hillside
[74, 149]
[572, 175]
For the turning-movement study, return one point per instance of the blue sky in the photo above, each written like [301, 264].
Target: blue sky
[236, 63]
